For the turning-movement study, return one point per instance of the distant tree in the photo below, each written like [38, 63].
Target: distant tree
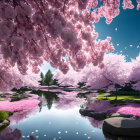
[42, 78]
[42, 75]
[115, 71]
[47, 78]
[54, 82]
[81, 84]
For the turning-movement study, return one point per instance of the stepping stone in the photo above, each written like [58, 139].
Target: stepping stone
[122, 126]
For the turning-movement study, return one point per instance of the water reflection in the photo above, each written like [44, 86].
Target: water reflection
[56, 117]
[69, 100]
[99, 106]
[95, 123]
[9, 134]
[23, 115]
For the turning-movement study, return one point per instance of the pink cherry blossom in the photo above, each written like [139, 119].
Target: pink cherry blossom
[113, 70]
[18, 42]
[131, 108]
[18, 105]
[50, 30]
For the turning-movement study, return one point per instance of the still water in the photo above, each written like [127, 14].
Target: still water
[57, 117]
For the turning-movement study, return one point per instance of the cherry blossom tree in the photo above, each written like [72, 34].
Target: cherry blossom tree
[134, 76]
[115, 71]
[10, 77]
[70, 79]
[32, 31]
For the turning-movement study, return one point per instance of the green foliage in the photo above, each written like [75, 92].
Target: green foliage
[47, 79]
[101, 91]
[42, 75]
[81, 84]
[21, 90]
[4, 115]
[117, 86]
[128, 87]
[131, 93]
[83, 95]
[53, 82]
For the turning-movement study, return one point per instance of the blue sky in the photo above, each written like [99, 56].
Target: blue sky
[127, 36]
[125, 33]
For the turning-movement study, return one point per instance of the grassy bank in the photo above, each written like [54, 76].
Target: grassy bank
[111, 98]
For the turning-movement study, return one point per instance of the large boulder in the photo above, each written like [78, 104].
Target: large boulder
[122, 126]
[109, 136]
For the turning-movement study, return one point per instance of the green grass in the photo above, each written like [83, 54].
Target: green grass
[119, 98]
[4, 115]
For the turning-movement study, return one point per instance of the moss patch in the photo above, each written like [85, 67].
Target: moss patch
[4, 115]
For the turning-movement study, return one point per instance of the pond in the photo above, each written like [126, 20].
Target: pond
[55, 117]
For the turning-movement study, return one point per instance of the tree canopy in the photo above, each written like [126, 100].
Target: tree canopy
[32, 31]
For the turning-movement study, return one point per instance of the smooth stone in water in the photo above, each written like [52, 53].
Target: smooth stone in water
[122, 126]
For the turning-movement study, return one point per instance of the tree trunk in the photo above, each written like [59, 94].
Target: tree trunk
[116, 97]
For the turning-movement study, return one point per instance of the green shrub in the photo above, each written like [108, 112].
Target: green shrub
[127, 93]
[101, 91]
[4, 115]
[81, 84]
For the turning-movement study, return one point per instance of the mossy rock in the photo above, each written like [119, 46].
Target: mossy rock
[4, 115]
